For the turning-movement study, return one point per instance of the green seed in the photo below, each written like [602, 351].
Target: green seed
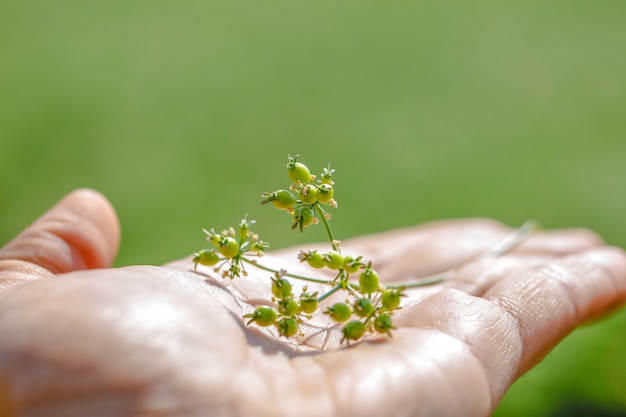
[391, 299]
[298, 172]
[308, 303]
[287, 326]
[308, 194]
[334, 260]
[363, 307]
[339, 312]
[314, 259]
[327, 175]
[281, 288]
[213, 237]
[368, 280]
[383, 324]
[263, 316]
[288, 307]
[281, 199]
[351, 264]
[207, 257]
[259, 246]
[244, 229]
[325, 193]
[353, 330]
[228, 247]
[303, 217]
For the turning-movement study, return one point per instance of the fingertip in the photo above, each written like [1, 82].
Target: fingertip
[612, 260]
[551, 299]
[80, 232]
[92, 208]
[559, 242]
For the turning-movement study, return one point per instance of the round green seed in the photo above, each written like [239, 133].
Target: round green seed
[339, 312]
[262, 316]
[281, 288]
[308, 303]
[368, 280]
[298, 172]
[287, 326]
[288, 307]
[353, 330]
[391, 299]
[383, 324]
[334, 260]
[325, 193]
[206, 257]
[363, 307]
[228, 247]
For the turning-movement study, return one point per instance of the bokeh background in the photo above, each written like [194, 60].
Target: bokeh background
[182, 113]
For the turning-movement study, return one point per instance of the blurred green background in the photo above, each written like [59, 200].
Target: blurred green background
[182, 113]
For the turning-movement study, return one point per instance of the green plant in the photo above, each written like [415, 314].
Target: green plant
[368, 307]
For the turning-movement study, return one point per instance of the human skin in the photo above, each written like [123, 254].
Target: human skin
[79, 338]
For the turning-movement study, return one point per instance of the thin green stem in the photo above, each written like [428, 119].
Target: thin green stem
[329, 293]
[301, 277]
[425, 281]
[322, 214]
[352, 291]
[501, 248]
[524, 231]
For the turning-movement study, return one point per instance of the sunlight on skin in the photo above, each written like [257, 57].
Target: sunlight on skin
[170, 341]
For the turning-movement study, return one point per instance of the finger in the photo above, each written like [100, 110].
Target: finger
[79, 232]
[525, 313]
[559, 242]
[550, 301]
[482, 272]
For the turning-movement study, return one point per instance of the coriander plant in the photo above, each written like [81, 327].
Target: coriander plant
[366, 308]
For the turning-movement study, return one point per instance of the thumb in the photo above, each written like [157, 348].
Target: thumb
[80, 232]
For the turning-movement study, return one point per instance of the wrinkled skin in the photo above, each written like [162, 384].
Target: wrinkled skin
[80, 340]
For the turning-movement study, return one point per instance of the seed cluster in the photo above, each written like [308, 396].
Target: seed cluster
[368, 306]
[368, 303]
[231, 248]
[312, 194]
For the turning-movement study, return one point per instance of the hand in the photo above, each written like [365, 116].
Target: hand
[79, 340]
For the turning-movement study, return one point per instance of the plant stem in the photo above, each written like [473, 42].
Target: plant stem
[322, 214]
[499, 249]
[268, 269]
[352, 291]
[528, 228]
[329, 293]
[422, 282]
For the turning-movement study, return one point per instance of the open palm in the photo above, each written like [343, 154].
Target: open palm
[168, 341]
